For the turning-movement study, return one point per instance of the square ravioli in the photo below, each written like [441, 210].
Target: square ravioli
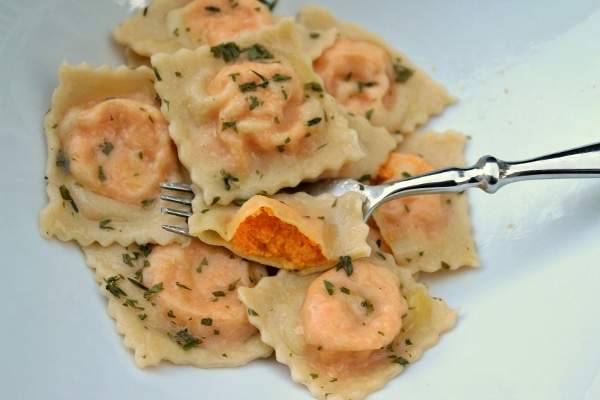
[433, 231]
[296, 231]
[178, 303]
[371, 78]
[250, 117]
[166, 26]
[345, 333]
[108, 151]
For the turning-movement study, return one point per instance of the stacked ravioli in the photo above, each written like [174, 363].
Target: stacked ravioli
[243, 104]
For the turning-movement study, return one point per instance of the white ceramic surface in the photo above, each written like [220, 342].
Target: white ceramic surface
[528, 78]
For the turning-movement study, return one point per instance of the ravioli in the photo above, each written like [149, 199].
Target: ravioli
[297, 231]
[166, 26]
[433, 231]
[375, 141]
[250, 117]
[108, 151]
[179, 303]
[370, 78]
[353, 343]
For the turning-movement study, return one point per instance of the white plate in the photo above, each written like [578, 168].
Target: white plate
[528, 78]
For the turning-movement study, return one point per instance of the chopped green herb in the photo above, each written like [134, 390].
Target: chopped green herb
[345, 262]
[219, 293]
[212, 9]
[127, 259]
[229, 125]
[136, 283]
[258, 52]
[158, 78]
[253, 313]
[401, 360]
[111, 286]
[228, 51]
[314, 86]
[154, 289]
[133, 304]
[363, 85]
[146, 203]
[206, 321]
[253, 102]
[185, 339]
[231, 287]
[228, 179]
[270, 4]
[369, 114]
[181, 285]
[328, 287]
[61, 160]
[314, 121]
[281, 78]
[367, 305]
[105, 224]
[345, 290]
[66, 196]
[314, 35]
[101, 175]
[402, 73]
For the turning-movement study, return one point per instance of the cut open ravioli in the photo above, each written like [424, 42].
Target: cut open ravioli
[433, 231]
[250, 117]
[293, 231]
[370, 78]
[166, 26]
[178, 303]
[346, 336]
[108, 151]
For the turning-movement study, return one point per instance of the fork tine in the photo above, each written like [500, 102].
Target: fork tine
[177, 229]
[176, 212]
[182, 187]
[176, 199]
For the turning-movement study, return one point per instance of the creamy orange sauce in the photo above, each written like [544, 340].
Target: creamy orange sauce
[357, 73]
[200, 290]
[405, 216]
[215, 21]
[120, 148]
[262, 234]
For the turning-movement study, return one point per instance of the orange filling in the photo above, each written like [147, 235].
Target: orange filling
[264, 235]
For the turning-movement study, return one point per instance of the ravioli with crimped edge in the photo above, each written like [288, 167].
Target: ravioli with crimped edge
[427, 232]
[108, 151]
[166, 26]
[250, 117]
[179, 303]
[371, 78]
[346, 332]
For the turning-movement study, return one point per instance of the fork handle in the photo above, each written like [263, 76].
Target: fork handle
[490, 173]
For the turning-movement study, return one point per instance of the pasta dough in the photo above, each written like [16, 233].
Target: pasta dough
[108, 150]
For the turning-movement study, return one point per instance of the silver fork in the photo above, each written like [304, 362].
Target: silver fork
[488, 174]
